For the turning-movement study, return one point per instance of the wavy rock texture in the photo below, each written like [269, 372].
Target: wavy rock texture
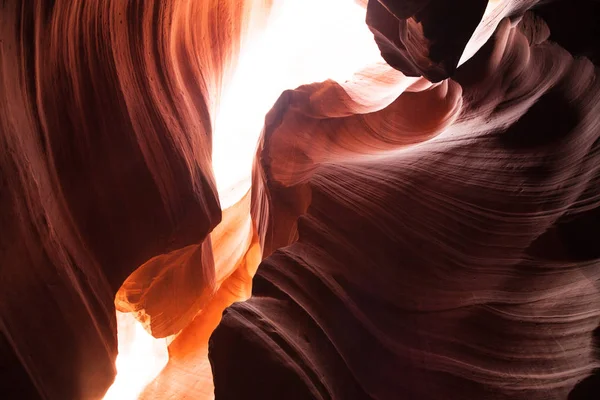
[442, 246]
[105, 130]
[427, 229]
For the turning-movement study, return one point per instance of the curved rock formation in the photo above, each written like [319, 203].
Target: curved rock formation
[425, 229]
[105, 130]
[463, 265]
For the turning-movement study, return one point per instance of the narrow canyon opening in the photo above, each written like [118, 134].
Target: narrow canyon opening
[292, 44]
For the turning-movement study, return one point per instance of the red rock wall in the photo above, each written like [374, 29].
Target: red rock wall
[105, 130]
[419, 240]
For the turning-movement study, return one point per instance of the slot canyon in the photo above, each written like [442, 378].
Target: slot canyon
[300, 199]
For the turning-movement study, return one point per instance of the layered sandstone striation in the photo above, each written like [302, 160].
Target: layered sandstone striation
[426, 228]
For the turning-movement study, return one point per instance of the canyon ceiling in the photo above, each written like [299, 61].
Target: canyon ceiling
[414, 213]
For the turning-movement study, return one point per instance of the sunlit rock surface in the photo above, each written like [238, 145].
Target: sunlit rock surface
[420, 224]
[105, 129]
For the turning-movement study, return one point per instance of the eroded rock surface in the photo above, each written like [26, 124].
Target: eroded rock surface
[426, 229]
